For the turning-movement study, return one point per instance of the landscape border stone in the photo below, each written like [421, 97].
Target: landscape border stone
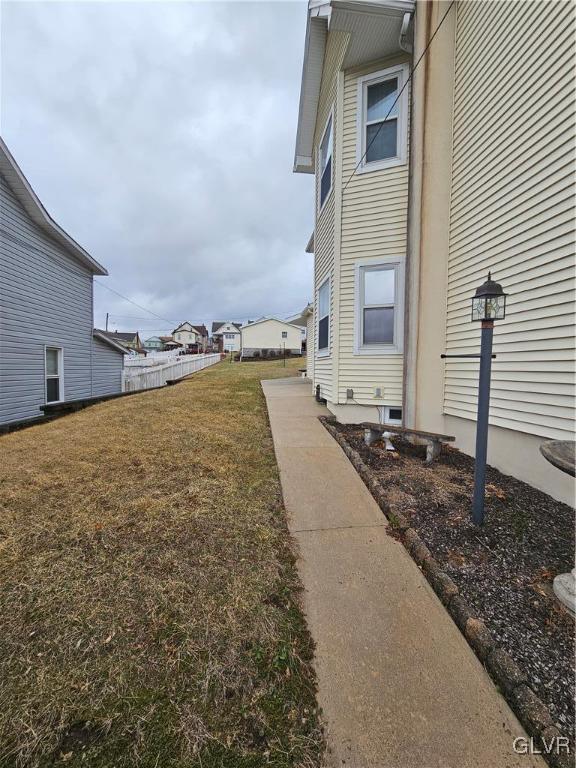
[510, 678]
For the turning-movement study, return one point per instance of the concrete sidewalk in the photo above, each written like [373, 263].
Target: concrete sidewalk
[398, 685]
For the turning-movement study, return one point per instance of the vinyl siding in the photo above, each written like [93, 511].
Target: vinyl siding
[107, 365]
[268, 335]
[310, 341]
[374, 220]
[45, 299]
[324, 231]
[512, 211]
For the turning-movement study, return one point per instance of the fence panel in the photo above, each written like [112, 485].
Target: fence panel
[149, 376]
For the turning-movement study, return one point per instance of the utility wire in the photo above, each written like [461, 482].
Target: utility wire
[164, 320]
[408, 80]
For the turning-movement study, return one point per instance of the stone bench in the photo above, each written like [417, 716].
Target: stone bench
[373, 432]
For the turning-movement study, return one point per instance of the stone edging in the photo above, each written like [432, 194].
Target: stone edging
[510, 679]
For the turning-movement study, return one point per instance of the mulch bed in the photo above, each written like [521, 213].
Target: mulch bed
[504, 571]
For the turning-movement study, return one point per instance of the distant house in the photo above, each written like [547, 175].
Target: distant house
[226, 336]
[49, 350]
[130, 339]
[168, 342]
[186, 334]
[203, 336]
[154, 344]
[270, 336]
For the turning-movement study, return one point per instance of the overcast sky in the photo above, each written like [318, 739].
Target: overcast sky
[160, 135]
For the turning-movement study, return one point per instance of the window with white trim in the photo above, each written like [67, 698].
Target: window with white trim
[379, 324]
[392, 415]
[323, 334]
[325, 156]
[53, 368]
[284, 334]
[382, 119]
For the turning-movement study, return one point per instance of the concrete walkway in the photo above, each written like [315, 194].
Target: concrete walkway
[398, 685]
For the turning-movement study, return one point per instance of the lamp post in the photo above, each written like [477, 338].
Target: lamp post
[488, 305]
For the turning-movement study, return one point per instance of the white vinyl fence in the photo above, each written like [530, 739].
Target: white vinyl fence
[146, 376]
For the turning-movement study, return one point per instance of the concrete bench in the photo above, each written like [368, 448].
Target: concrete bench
[373, 432]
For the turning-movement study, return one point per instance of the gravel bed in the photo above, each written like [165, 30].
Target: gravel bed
[503, 570]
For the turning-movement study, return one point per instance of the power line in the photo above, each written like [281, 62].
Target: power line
[408, 80]
[164, 320]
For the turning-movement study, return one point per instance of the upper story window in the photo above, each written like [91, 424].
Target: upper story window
[325, 159]
[379, 294]
[382, 119]
[53, 367]
[284, 334]
[229, 335]
[323, 334]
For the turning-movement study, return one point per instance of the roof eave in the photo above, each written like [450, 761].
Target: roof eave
[107, 340]
[34, 208]
[319, 14]
[316, 31]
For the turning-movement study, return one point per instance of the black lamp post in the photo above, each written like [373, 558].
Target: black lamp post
[488, 305]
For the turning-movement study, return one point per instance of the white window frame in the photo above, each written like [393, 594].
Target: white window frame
[60, 376]
[325, 351]
[284, 334]
[385, 414]
[401, 73]
[321, 203]
[397, 345]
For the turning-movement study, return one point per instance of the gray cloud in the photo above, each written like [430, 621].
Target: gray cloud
[161, 136]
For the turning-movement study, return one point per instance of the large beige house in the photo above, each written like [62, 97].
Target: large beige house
[426, 179]
[270, 335]
[186, 334]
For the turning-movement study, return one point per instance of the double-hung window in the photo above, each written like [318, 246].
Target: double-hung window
[379, 307]
[325, 158]
[284, 334]
[382, 119]
[53, 368]
[324, 317]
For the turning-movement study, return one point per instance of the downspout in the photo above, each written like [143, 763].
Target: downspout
[92, 336]
[405, 43]
[414, 216]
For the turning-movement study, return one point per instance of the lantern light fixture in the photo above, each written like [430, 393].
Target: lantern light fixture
[489, 302]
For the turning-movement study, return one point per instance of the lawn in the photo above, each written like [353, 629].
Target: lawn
[149, 602]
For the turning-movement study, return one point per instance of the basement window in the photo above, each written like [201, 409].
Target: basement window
[392, 415]
[53, 369]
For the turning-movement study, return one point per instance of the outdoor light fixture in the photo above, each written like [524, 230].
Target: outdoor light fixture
[489, 302]
[488, 305]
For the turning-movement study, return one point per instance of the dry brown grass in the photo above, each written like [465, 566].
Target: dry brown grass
[149, 598]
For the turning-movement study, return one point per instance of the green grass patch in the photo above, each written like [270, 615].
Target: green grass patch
[150, 603]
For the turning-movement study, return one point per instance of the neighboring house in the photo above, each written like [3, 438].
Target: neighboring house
[226, 336]
[49, 349]
[106, 367]
[128, 339]
[305, 320]
[270, 335]
[186, 334]
[408, 225]
[168, 342]
[202, 332]
[154, 344]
